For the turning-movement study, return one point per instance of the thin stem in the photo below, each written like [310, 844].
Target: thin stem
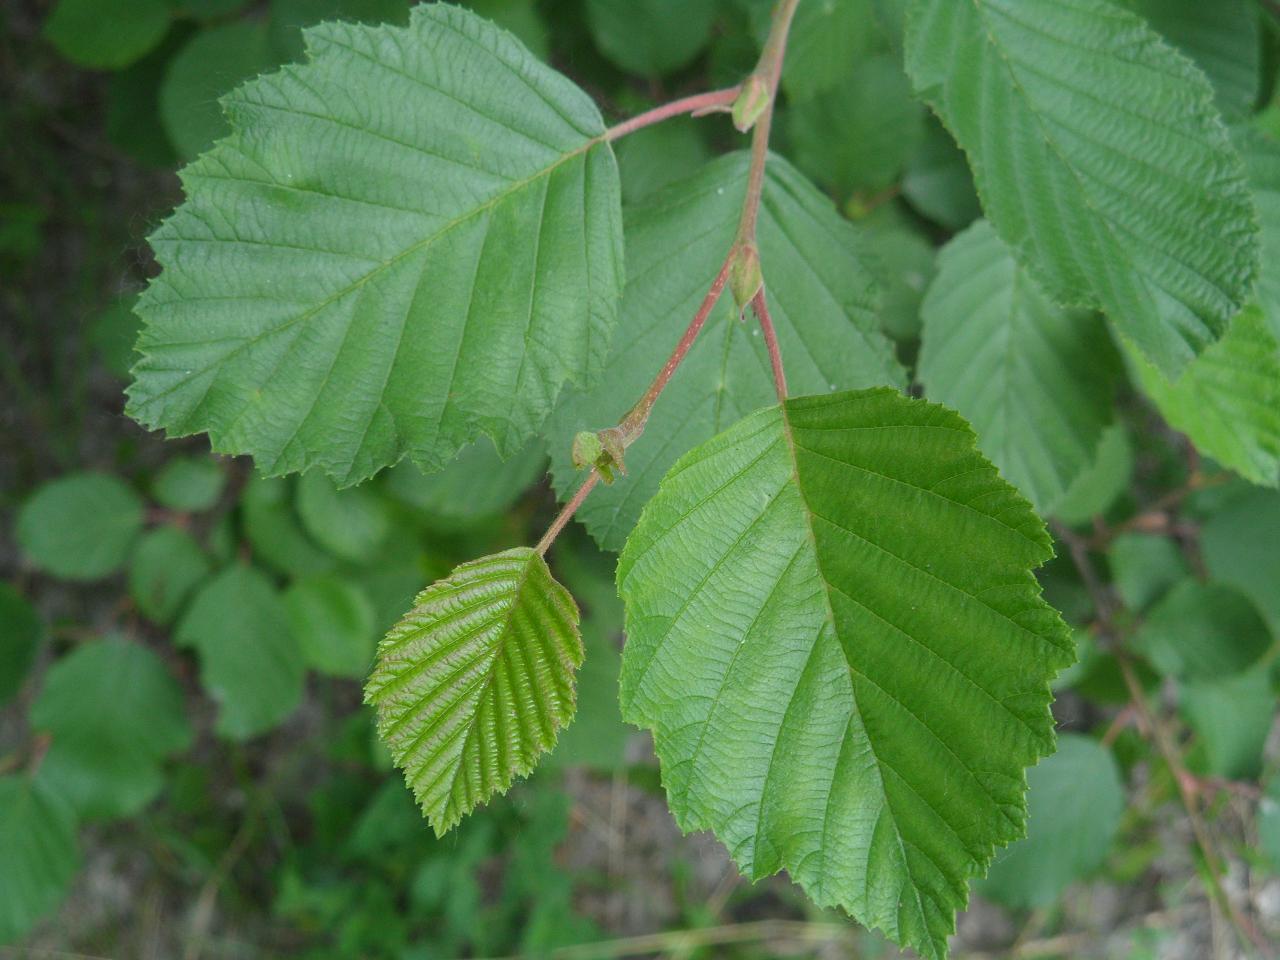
[761, 309]
[697, 104]
[567, 513]
[633, 423]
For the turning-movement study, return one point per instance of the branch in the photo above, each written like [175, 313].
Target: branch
[697, 105]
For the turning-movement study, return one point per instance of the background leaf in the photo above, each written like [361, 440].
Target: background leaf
[80, 526]
[334, 623]
[189, 484]
[650, 37]
[476, 680]
[21, 632]
[38, 854]
[1036, 380]
[106, 33]
[1169, 259]
[1203, 631]
[167, 565]
[834, 633]
[292, 320]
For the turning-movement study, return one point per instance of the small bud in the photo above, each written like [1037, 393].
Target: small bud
[745, 277]
[587, 449]
[751, 103]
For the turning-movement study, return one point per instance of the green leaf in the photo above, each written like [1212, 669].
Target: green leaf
[827, 38]
[1202, 631]
[1144, 567]
[1262, 158]
[106, 34]
[21, 633]
[1100, 160]
[473, 684]
[1238, 543]
[1035, 380]
[1094, 491]
[114, 713]
[1076, 800]
[208, 65]
[938, 183]
[292, 320]
[351, 523]
[657, 156]
[166, 566]
[1228, 400]
[206, 9]
[651, 37]
[274, 532]
[38, 854]
[250, 663]
[478, 483]
[1232, 719]
[189, 484]
[903, 259]
[334, 621]
[113, 333]
[821, 293]
[1224, 40]
[522, 18]
[1269, 823]
[834, 633]
[80, 526]
[858, 137]
[289, 17]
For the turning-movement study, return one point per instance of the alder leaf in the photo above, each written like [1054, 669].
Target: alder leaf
[834, 632]
[822, 295]
[1035, 380]
[476, 680]
[410, 240]
[1100, 159]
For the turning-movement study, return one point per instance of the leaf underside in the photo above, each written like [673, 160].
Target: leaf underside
[834, 633]
[472, 686]
[1100, 158]
[1035, 380]
[821, 294]
[410, 240]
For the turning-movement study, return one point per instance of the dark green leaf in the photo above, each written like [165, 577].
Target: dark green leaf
[20, 634]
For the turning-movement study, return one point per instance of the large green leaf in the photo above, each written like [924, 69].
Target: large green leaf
[1036, 380]
[38, 854]
[250, 662]
[1076, 800]
[1100, 159]
[113, 712]
[476, 680]
[1228, 400]
[1223, 38]
[821, 293]
[834, 633]
[410, 240]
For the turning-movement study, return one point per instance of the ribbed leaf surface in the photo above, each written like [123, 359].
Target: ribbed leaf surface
[476, 680]
[411, 239]
[821, 293]
[834, 633]
[1034, 379]
[1100, 159]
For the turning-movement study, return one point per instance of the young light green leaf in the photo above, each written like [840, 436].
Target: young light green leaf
[821, 293]
[1035, 380]
[20, 634]
[250, 662]
[1076, 800]
[1100, 160]
[473, 684]
[410, 240]
[114, 713]
[834, 632]
[106, 34]
[334, 621]
[1222, 38]
[80, 526]
[1228, 400]
[651, 37]
[1203, 631]
[38, 854]
[189, 484]
[166, 566]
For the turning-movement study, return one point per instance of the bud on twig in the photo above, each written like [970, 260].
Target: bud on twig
[745, 277]
[751, 103]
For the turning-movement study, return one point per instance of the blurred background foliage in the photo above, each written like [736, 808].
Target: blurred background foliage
[186, 768]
